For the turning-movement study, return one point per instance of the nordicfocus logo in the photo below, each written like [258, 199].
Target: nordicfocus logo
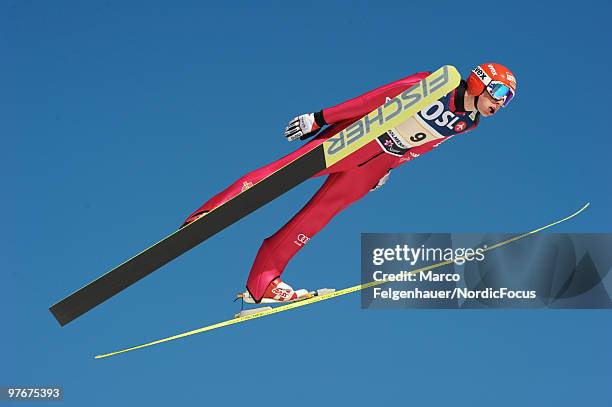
[376, 120]
[301, 240]
[439, 116]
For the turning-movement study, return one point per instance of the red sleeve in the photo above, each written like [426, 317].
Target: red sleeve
[364, 104]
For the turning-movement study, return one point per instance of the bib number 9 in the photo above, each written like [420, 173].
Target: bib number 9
[418, 137]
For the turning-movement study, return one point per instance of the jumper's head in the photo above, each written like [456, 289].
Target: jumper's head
[497, 85]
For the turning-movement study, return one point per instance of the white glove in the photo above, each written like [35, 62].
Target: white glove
[381, 181]
[301, 127]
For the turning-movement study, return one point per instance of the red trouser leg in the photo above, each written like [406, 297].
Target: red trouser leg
[338, 191]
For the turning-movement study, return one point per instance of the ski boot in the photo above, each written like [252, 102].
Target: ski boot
[276, 292]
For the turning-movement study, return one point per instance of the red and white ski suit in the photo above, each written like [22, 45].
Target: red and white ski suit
[347, 181]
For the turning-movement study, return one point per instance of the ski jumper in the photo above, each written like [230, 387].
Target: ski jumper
[353, 177]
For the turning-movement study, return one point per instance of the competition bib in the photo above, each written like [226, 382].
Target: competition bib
[435, 122]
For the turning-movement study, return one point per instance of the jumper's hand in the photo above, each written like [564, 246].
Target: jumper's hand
[302, 127]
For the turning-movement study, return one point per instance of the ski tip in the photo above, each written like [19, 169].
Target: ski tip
[584, 207]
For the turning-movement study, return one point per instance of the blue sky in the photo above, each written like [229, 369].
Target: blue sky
[117, 119]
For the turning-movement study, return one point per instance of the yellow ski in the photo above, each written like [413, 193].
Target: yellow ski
[328, 296]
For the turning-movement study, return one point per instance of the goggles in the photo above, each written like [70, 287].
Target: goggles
[499, 91]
